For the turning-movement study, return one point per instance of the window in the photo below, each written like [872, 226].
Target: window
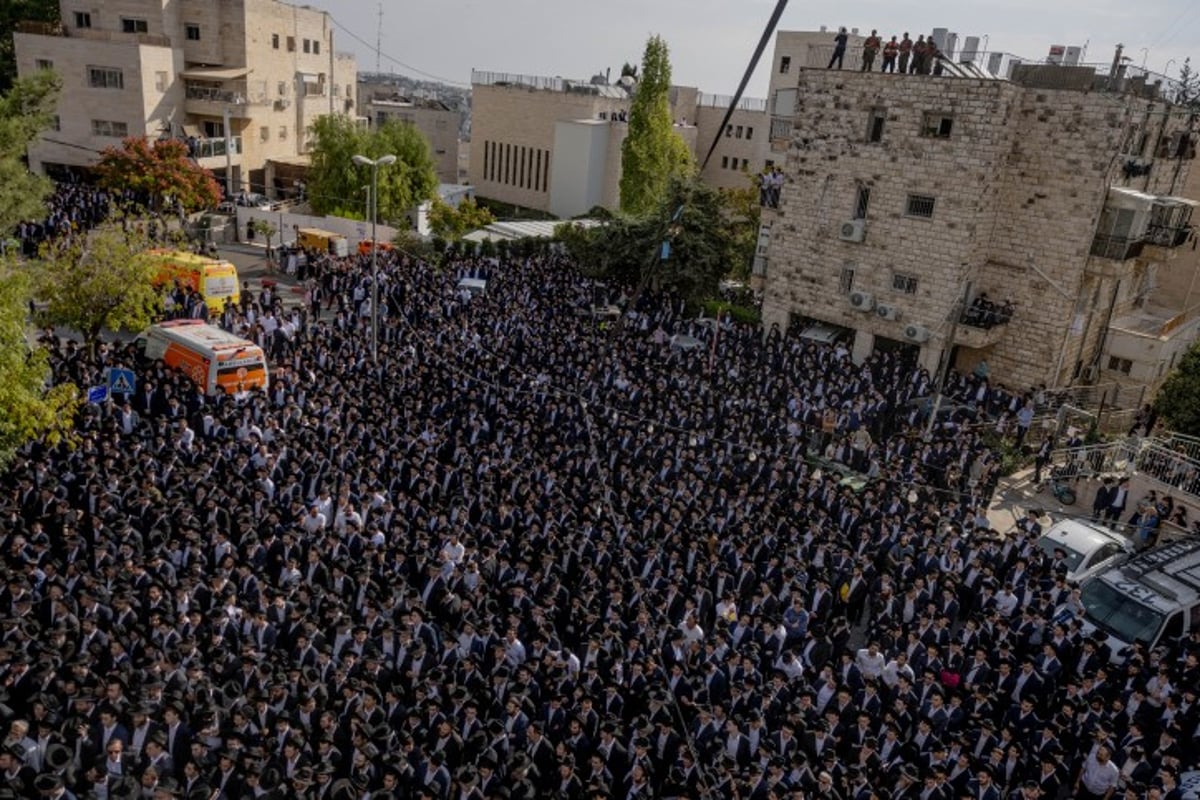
[104, 127]
[749, 133]
[745, 163]
[738, 133]
[785, 65]
[724, 162]
[291, 44]
[160, 81]
[275, 41]
[130, 25]
[846, 280]
[875, 125]
[728, 131]
[56, 125]
[282, 132]
[904, 283]
[281, 87]
[307, 46]
[213, 130]
[105, 78]
[264, 133]
[937, 126]
[862, 201]
[919, 205]
[192, 32]
[316, 47]
[83, 19]
[1121, 365]
[43, 64]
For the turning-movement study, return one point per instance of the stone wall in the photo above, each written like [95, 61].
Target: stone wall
[1018, 177]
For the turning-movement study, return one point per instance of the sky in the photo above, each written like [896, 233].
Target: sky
[711, 41]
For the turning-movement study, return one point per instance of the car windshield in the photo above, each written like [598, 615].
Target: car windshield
[1119, 615]
[1074, 557]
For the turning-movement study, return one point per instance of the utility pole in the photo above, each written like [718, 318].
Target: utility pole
[228, 154]
[956, 313]
[378, 38]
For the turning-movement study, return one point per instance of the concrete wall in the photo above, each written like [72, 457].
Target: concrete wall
[439, 126]
[725, 168]
[355, 231]
[579, 166]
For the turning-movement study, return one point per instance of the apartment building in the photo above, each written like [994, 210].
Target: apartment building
[554, 145]
[242, 79]
[911, 199]
[436, 121]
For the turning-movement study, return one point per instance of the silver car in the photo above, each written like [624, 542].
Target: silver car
[1087, 548]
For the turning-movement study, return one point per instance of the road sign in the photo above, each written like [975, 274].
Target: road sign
[97, 394]
[121, 381]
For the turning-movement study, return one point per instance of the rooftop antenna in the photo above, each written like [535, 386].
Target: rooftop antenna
[378, 37]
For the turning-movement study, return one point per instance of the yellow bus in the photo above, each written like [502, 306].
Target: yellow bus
[323, 242]
[216, 281]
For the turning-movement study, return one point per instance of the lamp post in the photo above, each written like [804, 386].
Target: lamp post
[374, 164]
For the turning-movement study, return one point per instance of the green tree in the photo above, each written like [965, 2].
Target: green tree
[25, 110]
[453, 223]
[1178, 401]
[161, 170]
[629, 250]
[103, 281]
[653, 151]
[28, 410]
[1187, 90]
[336, 182]
[11, 13]
[743, 215]
[265, 229]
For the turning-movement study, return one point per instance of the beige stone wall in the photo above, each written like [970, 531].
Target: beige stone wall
[744, 140]
[1018, 186]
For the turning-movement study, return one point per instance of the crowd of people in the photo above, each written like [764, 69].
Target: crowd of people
[525, 555]
[898, 54]
[72, 208]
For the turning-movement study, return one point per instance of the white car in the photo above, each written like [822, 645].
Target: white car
[1088, 548]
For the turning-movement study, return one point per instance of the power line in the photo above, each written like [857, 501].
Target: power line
[393, 59]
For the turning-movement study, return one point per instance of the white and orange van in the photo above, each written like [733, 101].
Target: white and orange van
[214, 359]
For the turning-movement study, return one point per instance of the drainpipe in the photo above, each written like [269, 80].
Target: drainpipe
[332, 79]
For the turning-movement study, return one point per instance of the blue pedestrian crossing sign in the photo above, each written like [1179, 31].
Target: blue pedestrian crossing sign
[121, 381]
[97, 394]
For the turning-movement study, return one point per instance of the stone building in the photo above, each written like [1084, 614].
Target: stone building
[256, 71]
[554, 145]
[909, 199]
[436, 121]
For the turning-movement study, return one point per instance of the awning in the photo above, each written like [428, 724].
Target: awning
[215, 73]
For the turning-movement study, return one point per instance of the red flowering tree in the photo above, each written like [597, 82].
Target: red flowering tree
[160, 171]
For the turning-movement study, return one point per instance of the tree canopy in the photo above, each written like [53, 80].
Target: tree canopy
[653, 151]
[1178, 401]
[159, 170]
[12, 12]
[25, 110]
[335, 182]
[629, 250]
[27, 408]
[103, 281]
[452, 223]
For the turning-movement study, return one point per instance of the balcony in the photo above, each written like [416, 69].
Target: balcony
[984, 323]
[1117, 248]
[208, 100]
[211, 152]
[781, 133]
[91, 34]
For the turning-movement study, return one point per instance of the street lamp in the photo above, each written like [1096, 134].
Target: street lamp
[374, 164]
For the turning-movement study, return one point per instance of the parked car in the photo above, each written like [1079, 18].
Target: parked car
[1088, 549]
[253, 200]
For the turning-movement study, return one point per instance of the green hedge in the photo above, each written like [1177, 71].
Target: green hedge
[739, 313]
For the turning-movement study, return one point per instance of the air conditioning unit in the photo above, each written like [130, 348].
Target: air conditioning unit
[888, 312]
[863, 301]
[916, 333]
[1089, 373]
[853, 230]
[282, 104]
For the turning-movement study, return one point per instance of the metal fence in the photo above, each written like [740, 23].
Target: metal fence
[756, 104]
[1171, 461]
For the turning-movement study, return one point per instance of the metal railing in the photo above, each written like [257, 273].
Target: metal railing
[756, 104]
[1166, 236]
[237, 96]
[215, 146]
[781, 127]
[485, 78]
[1117, 248]
[1173, 463]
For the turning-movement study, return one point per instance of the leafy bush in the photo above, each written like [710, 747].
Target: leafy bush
[737, 312]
